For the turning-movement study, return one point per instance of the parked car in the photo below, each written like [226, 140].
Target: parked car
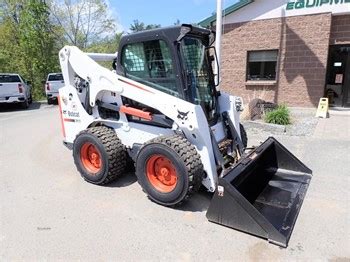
[53, 83]
[15, 89]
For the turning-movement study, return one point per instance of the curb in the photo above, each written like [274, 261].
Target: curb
[261, 126]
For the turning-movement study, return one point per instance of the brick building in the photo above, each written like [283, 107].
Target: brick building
[291, 52]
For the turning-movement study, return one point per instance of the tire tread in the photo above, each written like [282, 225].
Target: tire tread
[115, 151]
[190, 157]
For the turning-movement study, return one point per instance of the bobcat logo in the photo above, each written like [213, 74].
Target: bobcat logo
[182, 115]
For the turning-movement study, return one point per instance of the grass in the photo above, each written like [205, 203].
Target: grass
[278, 116]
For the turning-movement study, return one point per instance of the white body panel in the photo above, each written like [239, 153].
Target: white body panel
[107, 86]
[9, 91]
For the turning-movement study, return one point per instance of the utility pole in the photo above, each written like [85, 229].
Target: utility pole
[218, 38]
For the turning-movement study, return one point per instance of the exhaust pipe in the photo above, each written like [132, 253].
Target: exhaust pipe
[262, 194]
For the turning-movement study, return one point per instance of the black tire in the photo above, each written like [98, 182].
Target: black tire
[25, 104]
[244, 136]
[30, 100]
[111, 150]
[186, 161]
[49, 101]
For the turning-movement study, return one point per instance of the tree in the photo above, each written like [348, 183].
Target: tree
[178, 22]
[107, 45]
[83, 22]
[31, 35]
[28, 43]
[140, 26]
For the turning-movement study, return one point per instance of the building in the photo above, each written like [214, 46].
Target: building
[291, 52]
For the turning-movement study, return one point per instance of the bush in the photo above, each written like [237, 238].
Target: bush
[279, 116]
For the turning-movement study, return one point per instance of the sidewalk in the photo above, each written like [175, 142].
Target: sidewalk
[337, 126]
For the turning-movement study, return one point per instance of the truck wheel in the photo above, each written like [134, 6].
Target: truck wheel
[25, 104]
[244, 136]
[49, 101]
[99, 155]
[169, 169]
[30, 100]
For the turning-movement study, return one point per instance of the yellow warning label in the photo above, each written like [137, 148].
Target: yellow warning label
[323, 106]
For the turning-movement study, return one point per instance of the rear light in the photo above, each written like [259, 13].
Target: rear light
[20, 88]
[47, 86]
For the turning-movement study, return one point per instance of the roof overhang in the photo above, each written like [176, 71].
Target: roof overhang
[233, 8]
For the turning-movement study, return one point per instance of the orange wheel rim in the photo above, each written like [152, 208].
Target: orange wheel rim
[161, 173]
[91, 158]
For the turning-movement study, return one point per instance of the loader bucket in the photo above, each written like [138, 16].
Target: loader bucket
[262, 194]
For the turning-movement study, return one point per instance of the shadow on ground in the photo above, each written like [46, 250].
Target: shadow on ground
[198, 202]
[17, 107]
[125, 180]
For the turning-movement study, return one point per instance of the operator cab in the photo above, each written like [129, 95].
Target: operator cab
[176, 60]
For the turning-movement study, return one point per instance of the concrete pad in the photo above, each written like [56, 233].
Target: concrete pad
[337, 126]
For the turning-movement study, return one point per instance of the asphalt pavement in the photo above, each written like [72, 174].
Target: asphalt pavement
[47, 211]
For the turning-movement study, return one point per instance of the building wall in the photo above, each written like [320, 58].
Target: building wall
[264, 9]
[303, 44]
[340, 32]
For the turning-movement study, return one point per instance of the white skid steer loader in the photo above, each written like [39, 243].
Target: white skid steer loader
[160, 108]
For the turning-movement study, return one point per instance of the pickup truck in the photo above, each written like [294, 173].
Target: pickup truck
[53, 83]
[14, 89]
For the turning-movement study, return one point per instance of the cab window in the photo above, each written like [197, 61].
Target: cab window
[150, 63]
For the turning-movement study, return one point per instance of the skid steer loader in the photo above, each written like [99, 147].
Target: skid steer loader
[160, 108]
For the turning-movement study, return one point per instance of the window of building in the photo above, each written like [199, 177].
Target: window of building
[151, 63]
[262, 65]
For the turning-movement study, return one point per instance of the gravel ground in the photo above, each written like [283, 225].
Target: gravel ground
[302, 126]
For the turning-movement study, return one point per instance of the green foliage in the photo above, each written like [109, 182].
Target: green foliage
[29, 46]
[33, 31]
[140, 26]
[279, 116]
[107, 45]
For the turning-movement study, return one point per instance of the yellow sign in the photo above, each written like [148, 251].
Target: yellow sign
[322, 110]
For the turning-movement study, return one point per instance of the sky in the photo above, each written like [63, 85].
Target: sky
[163, 12]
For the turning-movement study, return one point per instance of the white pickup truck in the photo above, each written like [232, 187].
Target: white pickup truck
[14, 89]
[54, 82]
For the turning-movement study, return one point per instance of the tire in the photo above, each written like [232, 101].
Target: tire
[30, 100]
[99, 155]
[244, 136]
[25, 104]
[169, 169]
[49, 101]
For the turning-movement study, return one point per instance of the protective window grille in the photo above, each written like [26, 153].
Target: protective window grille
[198, 74]
[197, 66]
[151, 63]
[134, 59]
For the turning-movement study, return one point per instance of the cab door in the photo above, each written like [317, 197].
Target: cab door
[151, 62]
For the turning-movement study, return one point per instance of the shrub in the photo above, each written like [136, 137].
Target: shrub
[279, 116]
